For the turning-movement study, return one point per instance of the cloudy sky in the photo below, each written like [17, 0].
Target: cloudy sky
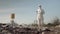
[25, 10]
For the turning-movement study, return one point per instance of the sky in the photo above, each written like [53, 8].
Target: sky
[25, 10]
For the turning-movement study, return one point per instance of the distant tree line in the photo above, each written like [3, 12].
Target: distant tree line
[53, 23]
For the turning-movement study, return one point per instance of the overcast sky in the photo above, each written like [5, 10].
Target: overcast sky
[25, 10]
